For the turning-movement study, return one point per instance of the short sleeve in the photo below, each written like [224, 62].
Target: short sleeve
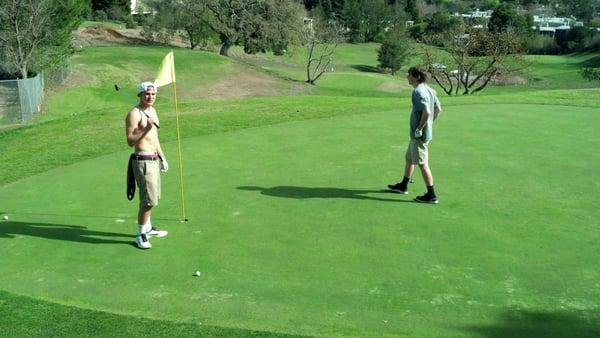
[419, 100]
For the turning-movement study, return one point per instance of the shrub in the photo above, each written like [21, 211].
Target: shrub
[541, 44]
[115, 13]
[591, 73]
[129, 22]
[592, 43]
[100, 15]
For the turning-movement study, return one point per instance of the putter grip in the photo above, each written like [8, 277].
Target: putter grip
[156, 125]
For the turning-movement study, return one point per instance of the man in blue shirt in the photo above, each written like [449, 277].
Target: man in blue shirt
[425, 109]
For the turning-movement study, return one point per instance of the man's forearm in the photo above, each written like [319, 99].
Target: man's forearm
[424, 117]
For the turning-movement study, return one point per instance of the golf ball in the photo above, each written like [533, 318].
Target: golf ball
[197, 274]
[5, 217]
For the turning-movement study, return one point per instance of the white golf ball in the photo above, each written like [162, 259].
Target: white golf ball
[197, 274]
[5, 217]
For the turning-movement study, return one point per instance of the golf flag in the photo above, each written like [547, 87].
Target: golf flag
[166, 75]
[166, 72]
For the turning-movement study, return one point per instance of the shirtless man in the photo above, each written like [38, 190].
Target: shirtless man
[141, 129]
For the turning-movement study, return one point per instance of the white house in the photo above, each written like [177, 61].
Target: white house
[137, 5]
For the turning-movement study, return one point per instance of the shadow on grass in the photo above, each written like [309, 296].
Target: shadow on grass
[367, 69]
[306, 192]
[542, 324]
[592, 62]
[63, 232]
[134, 213]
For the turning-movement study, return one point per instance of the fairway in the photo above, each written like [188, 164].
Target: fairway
[293, 233]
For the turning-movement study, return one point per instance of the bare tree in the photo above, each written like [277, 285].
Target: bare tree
[320, 39]
[472, 58]
[36, 33]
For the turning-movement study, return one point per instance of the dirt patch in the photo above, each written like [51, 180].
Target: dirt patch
[250, 83]
[510, 80]
[98, 35]
[392, 87]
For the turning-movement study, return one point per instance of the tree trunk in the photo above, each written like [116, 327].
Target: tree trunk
[193, 43]
[23, 72]
[224, 49]
[225, 45]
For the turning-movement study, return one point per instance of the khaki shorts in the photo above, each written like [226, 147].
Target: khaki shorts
[147, 177]
[417, 152]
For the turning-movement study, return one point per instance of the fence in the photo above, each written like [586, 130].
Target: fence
[21, 99]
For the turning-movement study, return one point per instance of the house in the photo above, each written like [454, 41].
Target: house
[550, 25]
[138, 7]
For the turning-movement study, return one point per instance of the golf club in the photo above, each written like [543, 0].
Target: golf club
[118, 89]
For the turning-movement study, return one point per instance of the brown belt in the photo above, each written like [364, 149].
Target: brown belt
[145, 157]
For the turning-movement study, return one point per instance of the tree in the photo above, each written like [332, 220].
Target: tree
[505, 17]
[581, 9]
[124, 5]
[394, 50]
[411, 9]
[115, 9]
[185, 16]
[36, 34]
[243, 22]
[439, 22]
[367, 20]
[278, 24]
[472, 58]
[320, 41]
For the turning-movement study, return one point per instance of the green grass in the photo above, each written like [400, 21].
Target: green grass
[289, 224]
[28, 317]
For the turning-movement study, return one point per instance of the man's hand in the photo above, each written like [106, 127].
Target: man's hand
[418, 133]
[164, 165]
[151, 122]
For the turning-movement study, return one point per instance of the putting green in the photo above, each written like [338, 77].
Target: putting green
[292, 233]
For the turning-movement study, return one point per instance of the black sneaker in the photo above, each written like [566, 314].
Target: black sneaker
[427, 199]
[399, 188]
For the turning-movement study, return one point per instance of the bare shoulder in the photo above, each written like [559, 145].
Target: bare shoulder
[133, 115]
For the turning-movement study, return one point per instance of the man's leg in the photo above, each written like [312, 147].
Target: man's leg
[141, 239]
[423, 154]
[427, 176]
[409, 167]
[430, 196]
[144, 214]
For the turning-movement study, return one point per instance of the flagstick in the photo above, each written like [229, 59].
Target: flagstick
[183, 218]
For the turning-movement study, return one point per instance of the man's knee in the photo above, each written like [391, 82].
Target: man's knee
[145, 208]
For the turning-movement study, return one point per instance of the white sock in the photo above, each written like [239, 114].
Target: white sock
[147, 227]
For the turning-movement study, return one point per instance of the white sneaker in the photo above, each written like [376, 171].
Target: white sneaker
[154, 232]
[142, 241]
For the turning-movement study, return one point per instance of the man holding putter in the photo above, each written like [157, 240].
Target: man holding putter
[425, 109]
[148, 159]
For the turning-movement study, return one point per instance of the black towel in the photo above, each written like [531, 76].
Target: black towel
[130, 179]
